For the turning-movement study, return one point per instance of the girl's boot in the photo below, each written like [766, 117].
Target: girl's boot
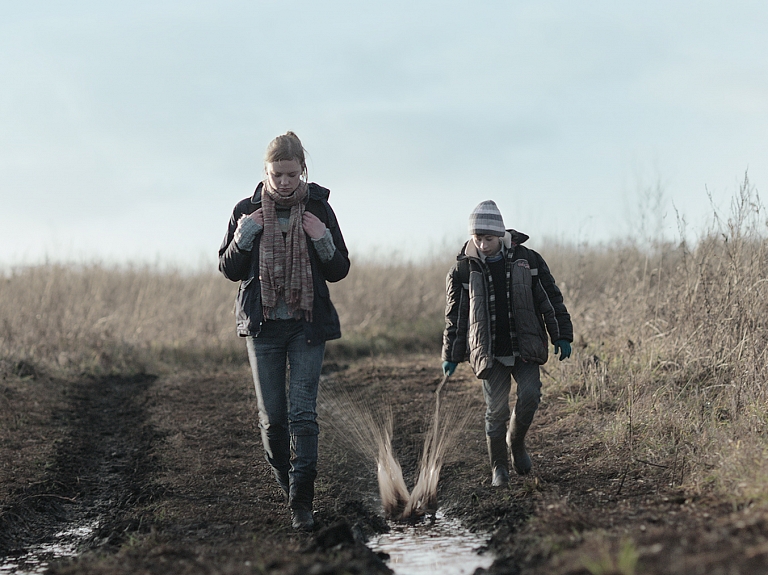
[302, 481]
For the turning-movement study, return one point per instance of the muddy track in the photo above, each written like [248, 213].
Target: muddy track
[171, 472]
[101, 467]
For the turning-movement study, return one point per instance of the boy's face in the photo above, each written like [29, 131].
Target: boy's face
[487, 245]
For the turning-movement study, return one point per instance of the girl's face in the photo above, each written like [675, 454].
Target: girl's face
[486, 244]
[284, 176]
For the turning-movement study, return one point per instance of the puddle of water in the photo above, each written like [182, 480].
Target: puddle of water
[442, 548]
[35, 560]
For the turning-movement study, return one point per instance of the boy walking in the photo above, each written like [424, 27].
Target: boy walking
[501, 300]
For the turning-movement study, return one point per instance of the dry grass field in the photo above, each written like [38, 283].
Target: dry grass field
[668, 372]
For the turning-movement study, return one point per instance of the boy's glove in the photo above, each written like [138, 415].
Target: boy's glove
[449, 367]
[563, 347]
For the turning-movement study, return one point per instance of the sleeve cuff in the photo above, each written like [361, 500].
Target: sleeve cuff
[325, 247]
[246, 232]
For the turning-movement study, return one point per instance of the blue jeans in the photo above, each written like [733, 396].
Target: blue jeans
[496, 392]
[288, 423]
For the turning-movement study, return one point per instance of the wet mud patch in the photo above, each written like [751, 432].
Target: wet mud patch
[216, 507]
[96, 472]
[175, 470]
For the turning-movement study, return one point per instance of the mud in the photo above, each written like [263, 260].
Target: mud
[169, 471]
[99, 472]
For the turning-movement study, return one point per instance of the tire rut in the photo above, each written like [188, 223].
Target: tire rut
[101, 469]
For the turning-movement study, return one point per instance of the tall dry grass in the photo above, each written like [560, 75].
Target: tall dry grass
[100, 319]
[395, 306]
[671, 351]
[96, 319]
[669, 360]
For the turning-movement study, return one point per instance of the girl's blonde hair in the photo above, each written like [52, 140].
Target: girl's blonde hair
[287, 147]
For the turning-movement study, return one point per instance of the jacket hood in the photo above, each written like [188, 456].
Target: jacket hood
[316, 192]
[511, 238]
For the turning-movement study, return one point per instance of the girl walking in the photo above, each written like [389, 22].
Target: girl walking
[283, 244]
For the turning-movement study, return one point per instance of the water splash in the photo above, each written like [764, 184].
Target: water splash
[392, 488]
[369, 430]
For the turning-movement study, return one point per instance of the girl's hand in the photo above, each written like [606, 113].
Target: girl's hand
[314, 227]
[258, 216]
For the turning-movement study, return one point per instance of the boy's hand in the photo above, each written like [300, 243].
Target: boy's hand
[449, 367]
[563, 347]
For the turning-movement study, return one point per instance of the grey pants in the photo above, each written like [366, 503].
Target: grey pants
[496, 392]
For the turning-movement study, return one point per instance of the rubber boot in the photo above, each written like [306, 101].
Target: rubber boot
[302, 481]
[521, 461]
[302, 520]
[497, 452]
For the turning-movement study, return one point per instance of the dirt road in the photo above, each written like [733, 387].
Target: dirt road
[169, 472]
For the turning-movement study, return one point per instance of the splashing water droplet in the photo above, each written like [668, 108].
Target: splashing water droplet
[370, 432]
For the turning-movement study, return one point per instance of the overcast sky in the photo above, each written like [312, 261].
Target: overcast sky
[128, 130]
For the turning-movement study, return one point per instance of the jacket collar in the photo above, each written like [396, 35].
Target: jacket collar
[511, 239]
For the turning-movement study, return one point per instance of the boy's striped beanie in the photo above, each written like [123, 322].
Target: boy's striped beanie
[486, 220]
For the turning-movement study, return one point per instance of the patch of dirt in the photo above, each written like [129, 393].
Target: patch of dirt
[95, 462]
[173, 470]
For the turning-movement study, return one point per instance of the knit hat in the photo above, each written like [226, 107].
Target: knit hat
[486, 220]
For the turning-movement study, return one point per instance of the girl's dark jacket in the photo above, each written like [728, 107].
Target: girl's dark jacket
[243, 266]
[535, 300]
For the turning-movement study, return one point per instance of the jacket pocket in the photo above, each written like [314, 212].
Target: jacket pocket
[321, 289]
[248, 306]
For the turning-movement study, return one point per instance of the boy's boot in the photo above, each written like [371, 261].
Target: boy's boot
[302, 481]
[497, 452]
[516, 440]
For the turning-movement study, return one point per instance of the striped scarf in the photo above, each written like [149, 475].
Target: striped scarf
[284, 267]
[492, 299]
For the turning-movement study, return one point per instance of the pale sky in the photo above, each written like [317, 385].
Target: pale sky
[128, 130]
